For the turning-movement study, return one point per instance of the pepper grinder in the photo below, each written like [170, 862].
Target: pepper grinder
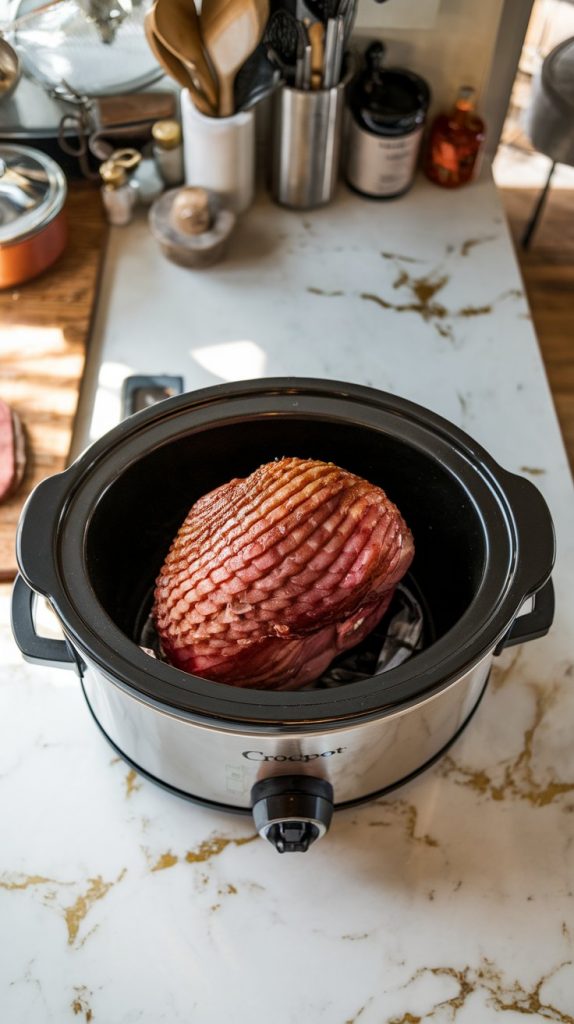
[191, 226]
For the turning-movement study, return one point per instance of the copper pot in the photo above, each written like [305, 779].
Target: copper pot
[32, 218]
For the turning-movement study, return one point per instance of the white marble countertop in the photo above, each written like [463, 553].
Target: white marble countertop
[449, 900]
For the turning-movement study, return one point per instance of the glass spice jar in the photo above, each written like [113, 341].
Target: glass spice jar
[168, 151]
[118, 196]
[454, 142]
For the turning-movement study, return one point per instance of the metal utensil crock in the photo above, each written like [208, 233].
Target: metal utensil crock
[92, 540]
[307, 128]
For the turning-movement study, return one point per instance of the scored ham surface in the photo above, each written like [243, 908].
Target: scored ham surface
[271, 576]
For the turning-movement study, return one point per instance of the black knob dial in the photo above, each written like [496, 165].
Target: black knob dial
[292, 811]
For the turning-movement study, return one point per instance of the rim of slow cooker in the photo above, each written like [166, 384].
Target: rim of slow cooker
[94, 633]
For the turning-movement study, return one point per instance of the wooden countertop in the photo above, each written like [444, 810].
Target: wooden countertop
[44, 331]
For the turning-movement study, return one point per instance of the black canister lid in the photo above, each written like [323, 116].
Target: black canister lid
[388, 101]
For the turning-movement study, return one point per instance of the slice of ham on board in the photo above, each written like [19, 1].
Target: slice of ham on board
[12, 451]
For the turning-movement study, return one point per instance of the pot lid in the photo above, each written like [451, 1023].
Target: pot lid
[32, 192]
[87, 47]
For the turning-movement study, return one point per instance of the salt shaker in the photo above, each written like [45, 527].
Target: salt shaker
[118, 196]
[168, 151]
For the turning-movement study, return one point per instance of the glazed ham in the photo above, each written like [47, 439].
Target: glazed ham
[271, 576]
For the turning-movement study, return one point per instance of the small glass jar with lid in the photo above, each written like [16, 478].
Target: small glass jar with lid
[388, 107]
[118, 196]
[168, 151]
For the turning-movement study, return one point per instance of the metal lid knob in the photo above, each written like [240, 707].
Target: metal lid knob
[292, 811]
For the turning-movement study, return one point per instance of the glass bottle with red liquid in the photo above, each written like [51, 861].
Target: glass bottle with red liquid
[454, 143]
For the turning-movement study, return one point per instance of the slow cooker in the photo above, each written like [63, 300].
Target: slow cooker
[92, 540]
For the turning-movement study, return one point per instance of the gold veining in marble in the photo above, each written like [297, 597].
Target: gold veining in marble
[80, 1002]
[424, 291]
[75, 914]
[463, 402]
[501, 996]
[472, 242]
[328, 294]
[403, 259]
[467, 311]
[214, 846]
[165, 860]
[132, 784]
[500, 674]
[229, 890]
[28, 880]
[533, 470]
[205, 851]
[359, 1013]
[408, 813]
[518, 780]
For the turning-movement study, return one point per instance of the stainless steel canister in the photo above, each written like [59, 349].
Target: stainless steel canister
[307, 129]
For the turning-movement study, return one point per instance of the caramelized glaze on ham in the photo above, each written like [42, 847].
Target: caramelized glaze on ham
[271, 576]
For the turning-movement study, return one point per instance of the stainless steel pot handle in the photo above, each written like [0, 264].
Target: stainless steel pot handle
[534, 623]
[39, 650]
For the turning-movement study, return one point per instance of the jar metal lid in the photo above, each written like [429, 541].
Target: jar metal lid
[32, 192]
[394, 103]
[167, 134]
[113, 175]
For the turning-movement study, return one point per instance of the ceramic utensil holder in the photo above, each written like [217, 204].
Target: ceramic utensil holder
[219, 153]
[307, 129]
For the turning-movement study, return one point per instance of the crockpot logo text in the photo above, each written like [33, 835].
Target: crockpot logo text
[258, 755]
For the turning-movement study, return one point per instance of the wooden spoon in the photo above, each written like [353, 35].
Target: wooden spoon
[316, 31]
[175, 68]
[231, 31]
[177, 27]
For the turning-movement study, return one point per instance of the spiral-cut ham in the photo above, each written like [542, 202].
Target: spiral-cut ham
[271, 576]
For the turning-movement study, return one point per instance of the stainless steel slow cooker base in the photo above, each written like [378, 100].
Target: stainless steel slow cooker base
[220, 762]
[339, 806]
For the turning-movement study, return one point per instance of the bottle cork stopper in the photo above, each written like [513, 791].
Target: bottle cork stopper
[190, 211]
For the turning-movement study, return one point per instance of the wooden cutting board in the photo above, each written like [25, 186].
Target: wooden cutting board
[44, 331]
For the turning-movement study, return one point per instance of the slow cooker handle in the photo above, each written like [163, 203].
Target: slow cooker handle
[35, 538]
[534, 623]
[536, 540]
[39, 650]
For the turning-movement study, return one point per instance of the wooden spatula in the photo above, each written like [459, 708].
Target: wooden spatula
[175, 68]
[231, 31]
[177, 26]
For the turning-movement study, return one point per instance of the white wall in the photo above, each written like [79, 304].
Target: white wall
[456, 50]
